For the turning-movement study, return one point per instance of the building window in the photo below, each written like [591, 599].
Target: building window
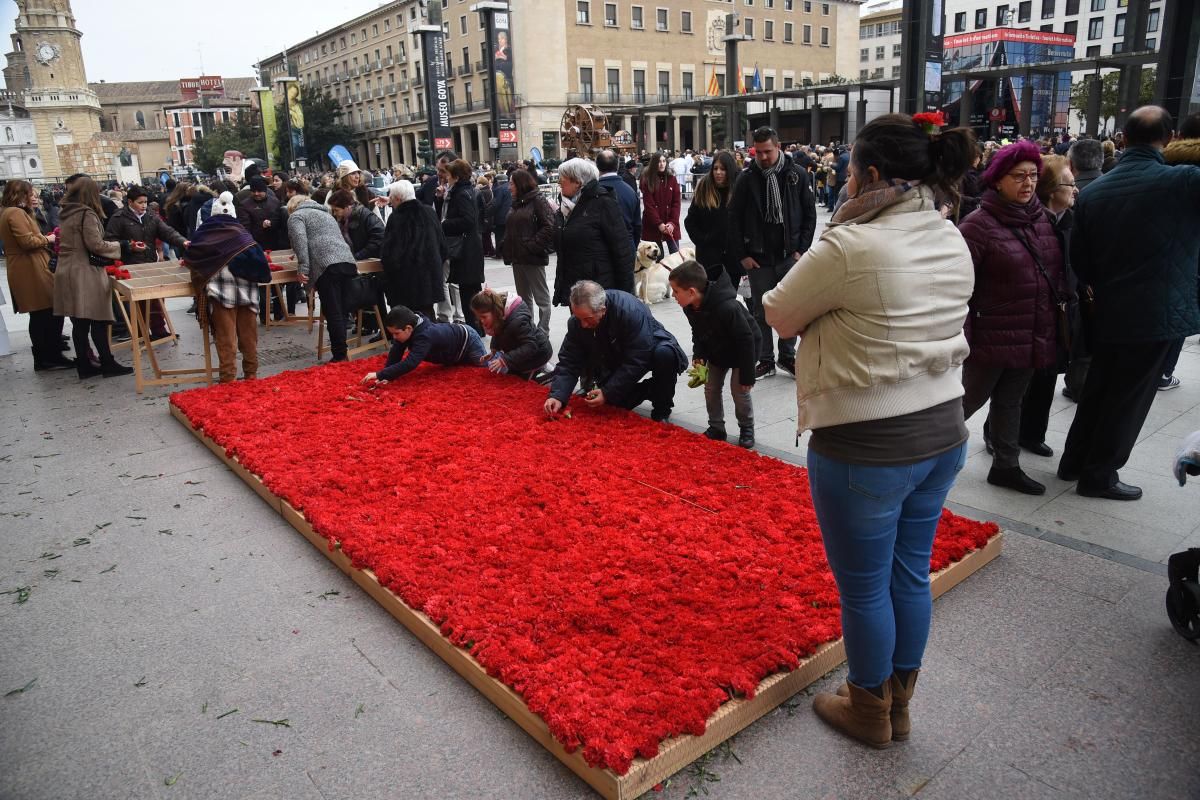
[788, 5]
[585, 83]
[375, 30]
[1002, 19]
[660, 19]
[895, 51]
[635, 18]
[1047, 9]
[981, 19]
[787, 33]
[960, 22]
[895, 72]
[614, 85]
[807, 7]
[824, 9]
[583, 12]
[863, 74]
[139, 119]
[769, 83]
[462, 25]
[1072, 8]
[1095, 28]
[664, 86]
[685, 21]
[1024, 10]
[1152, 24]
[824, 36]
[807, 34]
[879, 51]
[748, 26]
[769, 31]
[610, 15]
[688, 89]
[1093, 51]
[1098, 5]
[1119, 29]
[1151, 42]
[1071, 27]
[178, 137]
[1048, 28]
[639, 86]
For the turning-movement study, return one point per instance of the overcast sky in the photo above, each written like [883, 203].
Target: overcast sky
[171, 39]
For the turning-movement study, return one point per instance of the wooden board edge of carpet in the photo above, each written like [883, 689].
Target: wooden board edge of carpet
[674, 754]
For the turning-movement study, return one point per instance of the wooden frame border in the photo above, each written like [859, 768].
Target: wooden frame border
[674, 754]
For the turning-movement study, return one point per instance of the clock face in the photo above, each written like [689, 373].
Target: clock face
[46, 52]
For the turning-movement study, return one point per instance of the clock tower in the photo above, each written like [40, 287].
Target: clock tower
[63, 109]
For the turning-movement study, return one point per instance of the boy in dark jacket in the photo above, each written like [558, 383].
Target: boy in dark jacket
[416, 339]
[724, 338]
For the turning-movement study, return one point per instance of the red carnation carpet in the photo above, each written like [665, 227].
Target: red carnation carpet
[624, 577]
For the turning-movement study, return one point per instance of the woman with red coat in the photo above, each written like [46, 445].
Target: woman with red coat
[660, 205]
[1012, 322]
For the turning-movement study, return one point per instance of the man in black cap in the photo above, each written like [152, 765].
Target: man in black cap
[261, 213]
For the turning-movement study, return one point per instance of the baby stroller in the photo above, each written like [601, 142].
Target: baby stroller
[1183, 568]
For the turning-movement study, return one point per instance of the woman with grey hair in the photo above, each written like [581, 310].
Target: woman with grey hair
[592, 241]
[414, 249]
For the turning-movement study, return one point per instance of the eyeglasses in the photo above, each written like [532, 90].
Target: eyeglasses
[1070, 185]
[1023, 177]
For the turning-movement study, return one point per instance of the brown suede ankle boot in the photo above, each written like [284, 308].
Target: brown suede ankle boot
[901, 694]
[861, 715]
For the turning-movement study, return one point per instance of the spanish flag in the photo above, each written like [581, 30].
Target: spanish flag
[741, 83]
[714, 88]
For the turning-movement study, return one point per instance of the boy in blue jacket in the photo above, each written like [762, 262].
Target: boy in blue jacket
[416, 339]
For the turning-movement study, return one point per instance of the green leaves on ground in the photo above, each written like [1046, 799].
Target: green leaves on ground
[22, 690]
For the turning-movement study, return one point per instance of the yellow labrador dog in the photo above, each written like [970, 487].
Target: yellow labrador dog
[652, 269]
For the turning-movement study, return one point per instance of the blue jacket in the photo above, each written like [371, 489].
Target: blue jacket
[501, 204]
[1136, 242]
[437, 342]
[615, 354]
[631, 207]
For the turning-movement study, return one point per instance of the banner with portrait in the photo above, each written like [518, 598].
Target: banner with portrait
[504, 110]
[266, 106]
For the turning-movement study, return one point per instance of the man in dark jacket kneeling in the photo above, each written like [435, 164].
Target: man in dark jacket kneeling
[612, 341]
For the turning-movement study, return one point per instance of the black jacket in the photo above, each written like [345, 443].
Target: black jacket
[462, 219]
[501, 204]
[709, 230]
[530, 231]
[722, 332]
[748, 207]
[526, 347]
[365, 230]
[123, 226]
[615, 354]
[252, 213]
[593, 244]
[413, 251]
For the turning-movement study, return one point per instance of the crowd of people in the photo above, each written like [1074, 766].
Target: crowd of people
[952, 274]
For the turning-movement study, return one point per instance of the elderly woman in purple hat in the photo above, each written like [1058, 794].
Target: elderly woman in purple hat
[1011, 326]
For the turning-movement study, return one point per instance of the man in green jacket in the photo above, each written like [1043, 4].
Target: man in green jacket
[1137, 245]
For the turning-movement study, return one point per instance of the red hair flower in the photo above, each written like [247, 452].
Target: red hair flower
[931, 121]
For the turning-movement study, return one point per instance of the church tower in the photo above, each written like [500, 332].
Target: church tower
[63, 109]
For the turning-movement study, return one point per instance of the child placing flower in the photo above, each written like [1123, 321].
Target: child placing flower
[518, 345]
[416, 339]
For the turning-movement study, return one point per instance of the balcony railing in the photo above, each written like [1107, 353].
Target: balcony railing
[464, 69]
[637, 98]
[481, 66]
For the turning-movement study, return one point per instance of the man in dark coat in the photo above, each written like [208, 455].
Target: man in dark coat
[498, 210]
[1086, 157]
[772, 217]
[135, 223]
[612, 341]
[413, 252]
[1143, 274]
[592, 241]
[627, 198]
[261, 214]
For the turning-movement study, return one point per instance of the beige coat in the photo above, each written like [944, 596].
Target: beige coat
[881, 306]
[81, 290]
[30, 280]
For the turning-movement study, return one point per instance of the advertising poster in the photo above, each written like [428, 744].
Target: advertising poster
[437, 96]
[266, 105]
[504, 94]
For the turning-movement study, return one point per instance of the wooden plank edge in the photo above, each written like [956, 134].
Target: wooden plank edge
[674, 754]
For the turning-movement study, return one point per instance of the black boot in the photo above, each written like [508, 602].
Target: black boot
[746, 438]
[86, 369]
[110, 368]
[716, 432]
[1014, 478]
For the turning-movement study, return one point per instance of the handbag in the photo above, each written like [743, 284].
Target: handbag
[99, 262]
[360, 292]
[1062, 323]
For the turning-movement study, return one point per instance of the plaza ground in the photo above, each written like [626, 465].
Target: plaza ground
[163, 594]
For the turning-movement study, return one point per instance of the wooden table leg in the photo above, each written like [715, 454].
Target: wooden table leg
[135, 346]
[143, 319]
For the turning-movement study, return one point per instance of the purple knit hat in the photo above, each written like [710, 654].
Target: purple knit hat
[1009, 156]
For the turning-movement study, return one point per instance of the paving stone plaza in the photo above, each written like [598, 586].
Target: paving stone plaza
[164, 634]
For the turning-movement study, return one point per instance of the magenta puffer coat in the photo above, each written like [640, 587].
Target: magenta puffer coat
[1013, 316]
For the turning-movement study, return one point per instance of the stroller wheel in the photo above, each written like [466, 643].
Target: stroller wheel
[1183, 609]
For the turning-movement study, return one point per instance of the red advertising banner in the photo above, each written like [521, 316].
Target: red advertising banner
[190, 88]
[1008, 35]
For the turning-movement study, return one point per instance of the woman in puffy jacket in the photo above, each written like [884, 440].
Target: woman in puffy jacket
[531, 225]
[518, 346]
[1019, 278]
[461, 222]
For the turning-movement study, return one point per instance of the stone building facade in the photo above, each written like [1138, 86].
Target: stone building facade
[612, 53]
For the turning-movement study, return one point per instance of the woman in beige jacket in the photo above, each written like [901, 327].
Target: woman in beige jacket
[30, 280]
[82, 291]
[880, 301]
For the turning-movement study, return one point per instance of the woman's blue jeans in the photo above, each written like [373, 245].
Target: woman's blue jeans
[878, 524]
